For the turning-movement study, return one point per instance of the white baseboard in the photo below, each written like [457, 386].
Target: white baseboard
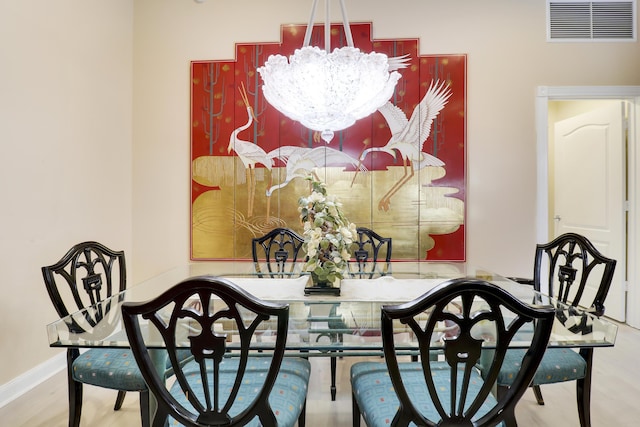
[32, 378]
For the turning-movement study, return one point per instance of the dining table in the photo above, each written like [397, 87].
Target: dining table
[343, 323]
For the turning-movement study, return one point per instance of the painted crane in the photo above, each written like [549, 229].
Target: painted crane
[248, 152]
[301, 162]
[408, 136]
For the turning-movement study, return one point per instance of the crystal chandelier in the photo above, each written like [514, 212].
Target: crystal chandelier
[328, 91]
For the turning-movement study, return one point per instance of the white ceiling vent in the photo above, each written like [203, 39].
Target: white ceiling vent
[604, 20]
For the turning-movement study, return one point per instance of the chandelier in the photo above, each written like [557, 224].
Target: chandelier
[328, 91]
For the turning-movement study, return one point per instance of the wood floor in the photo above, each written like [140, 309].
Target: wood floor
[615, 397]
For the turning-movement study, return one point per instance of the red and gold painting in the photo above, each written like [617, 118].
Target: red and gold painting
[243, 182]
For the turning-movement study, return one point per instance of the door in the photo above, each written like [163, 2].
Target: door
[590, 189]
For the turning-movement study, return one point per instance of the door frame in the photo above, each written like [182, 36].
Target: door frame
[567, 93]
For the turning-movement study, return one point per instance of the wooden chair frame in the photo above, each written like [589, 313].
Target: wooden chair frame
[570, 259]
[280, 246]
[463, 351]
[366, 255]
[87, 270]
[191, 298]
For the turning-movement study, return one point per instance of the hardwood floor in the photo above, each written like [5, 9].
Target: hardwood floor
[615, 397]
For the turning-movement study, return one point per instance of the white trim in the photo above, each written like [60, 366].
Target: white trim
[543, 95]
[588, 92]
[632, 94]
[542, 156]
[633, 215]
[32, 378]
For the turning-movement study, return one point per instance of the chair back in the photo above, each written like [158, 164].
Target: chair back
[571, 269]
[460, 322]
[86, 275]
[371, 248]
[276, 252]
[216, 321]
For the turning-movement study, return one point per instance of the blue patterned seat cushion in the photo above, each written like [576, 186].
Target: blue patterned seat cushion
[287, 397]
[558, 365]
[113, 368]
[377, 399]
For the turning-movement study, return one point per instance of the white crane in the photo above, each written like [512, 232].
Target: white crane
[408, 136]
[301, 161]
[249, 153]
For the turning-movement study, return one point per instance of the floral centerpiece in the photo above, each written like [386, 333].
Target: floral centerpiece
[328, 235]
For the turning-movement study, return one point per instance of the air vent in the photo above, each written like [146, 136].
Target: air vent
[604, 20]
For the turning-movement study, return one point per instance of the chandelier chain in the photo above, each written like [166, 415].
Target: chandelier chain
[327, 25]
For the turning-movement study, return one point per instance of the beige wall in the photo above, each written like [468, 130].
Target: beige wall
[71, 99]
[508, 57]
[65, 153]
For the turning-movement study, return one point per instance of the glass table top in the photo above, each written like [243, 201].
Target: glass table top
[324, 323]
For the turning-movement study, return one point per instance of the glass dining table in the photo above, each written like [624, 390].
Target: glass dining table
[324, 325]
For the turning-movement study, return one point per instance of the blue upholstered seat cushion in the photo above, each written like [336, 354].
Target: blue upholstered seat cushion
[377, 399]
[558, 365]
[113, 368]
[287, 397]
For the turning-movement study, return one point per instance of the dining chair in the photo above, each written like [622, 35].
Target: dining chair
[226, 383]
[86, 275]
[371, 247]
[277, 251]
[461, 321]
[571, 269]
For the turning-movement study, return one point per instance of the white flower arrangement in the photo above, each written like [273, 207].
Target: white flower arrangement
[328, 235]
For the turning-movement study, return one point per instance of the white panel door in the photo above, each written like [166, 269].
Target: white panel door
[590, 190]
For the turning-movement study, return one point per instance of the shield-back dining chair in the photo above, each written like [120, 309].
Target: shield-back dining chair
[368, 256]
[225, 384]
[571, 269]
[87, 274]
[277, 251]
[367, 263]
[481, 319]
